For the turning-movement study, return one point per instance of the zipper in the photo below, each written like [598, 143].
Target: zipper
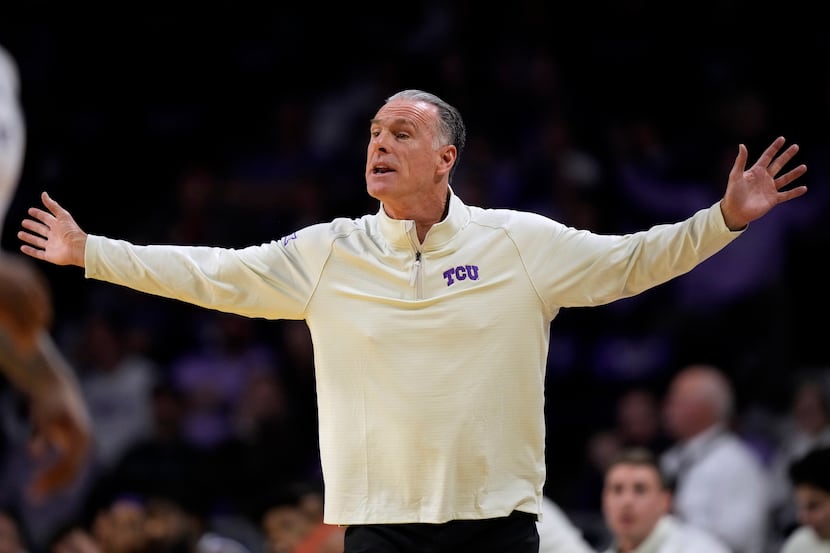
[415, 275]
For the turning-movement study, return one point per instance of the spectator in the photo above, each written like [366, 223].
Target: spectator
[637, 503]
[557, 534]
[810, 477]
[117, 385]
[720, 484]
[806, 427]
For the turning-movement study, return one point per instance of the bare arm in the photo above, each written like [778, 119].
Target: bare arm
[62, 438]
[751, 193]
[30, 360]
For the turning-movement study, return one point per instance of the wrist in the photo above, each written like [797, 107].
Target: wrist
[733, 222]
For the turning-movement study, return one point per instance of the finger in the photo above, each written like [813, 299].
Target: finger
[779, 162]
[768, 155]
[42, 216]
[37, 253]
[740, 162]
[51, 204]
[791, 194]
[33, 239]
[36, 227]
[790, 176]
[33, 252]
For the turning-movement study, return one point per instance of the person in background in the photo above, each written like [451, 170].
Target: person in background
[29, 359]
[810, 477]
[637, 420]
[557, 533]
[637, 505]
[806, 426]
[720, 484]
[430, 321]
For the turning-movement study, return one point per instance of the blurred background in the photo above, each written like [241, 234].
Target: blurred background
[234, 125]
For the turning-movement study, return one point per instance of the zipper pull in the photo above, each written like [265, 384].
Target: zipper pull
[413, 276]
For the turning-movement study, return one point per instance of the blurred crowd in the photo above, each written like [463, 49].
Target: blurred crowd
[237, 129]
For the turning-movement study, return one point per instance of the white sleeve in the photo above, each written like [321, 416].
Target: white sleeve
[12, 133]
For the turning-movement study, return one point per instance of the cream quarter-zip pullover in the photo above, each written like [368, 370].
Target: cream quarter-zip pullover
[430, 358]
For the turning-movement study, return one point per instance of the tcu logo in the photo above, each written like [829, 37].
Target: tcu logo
[286, 239]
[462, 272]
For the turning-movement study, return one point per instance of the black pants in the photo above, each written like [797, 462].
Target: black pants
[512, 534]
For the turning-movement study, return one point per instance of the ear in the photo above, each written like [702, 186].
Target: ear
[668, 501]
[448, 155]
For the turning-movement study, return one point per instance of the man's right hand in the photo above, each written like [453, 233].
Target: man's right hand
[53, 235]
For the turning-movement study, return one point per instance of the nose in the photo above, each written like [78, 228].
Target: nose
[376, 144]
[380, 137]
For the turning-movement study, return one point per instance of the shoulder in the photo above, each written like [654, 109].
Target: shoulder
[732, 449]
[515, 222]
[803, 540]
[504, 216]
[700, 539]
[325, 232]
[338, 226]
[215, 543]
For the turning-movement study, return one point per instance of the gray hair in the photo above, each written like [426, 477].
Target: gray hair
[716, 389]
[450, 123]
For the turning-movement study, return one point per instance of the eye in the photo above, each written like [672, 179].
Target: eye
[402, 135]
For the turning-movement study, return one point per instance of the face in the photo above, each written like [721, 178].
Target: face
[637, 416]
[686, 411]
[284, 528]
[808, 409]
[632, 502]
[406, 159]
[814, 509]
[120, 528]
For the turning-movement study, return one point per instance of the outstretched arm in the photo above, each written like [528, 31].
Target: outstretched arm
[53, 235]
[61, 441]
[62, 438]
[752, 193]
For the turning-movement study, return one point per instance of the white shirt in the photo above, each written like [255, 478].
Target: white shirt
[805, 540]
[557, 534]
[725, 489]
[670, 535]
[430, 357]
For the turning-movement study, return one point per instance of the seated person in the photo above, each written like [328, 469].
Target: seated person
[636, 504]
[810, 477]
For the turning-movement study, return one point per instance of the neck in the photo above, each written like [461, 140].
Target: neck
[425, 214]
[627, 546]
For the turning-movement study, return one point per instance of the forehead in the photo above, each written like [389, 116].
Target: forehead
[631, 473]
[415, 113]
[807, 493]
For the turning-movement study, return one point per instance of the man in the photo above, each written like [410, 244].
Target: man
[636, 504]
[810, 477]
[721, 486]
[28, 356]
[557, 533]
[430, 321]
